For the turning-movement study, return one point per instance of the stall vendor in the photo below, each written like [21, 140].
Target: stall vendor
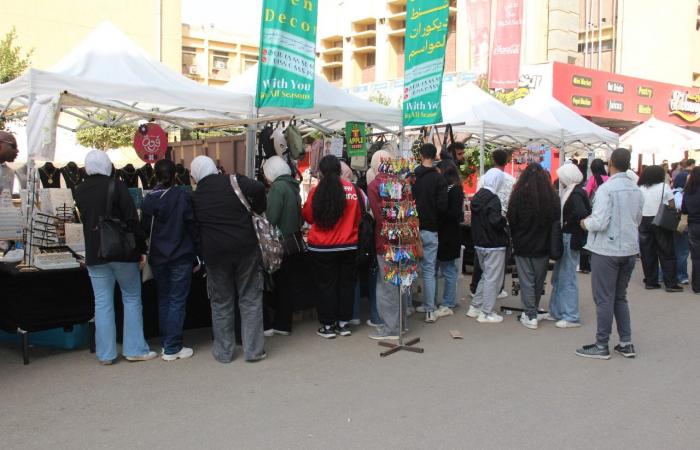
[8, 153]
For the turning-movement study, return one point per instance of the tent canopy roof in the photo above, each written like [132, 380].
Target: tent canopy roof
[330, 102]
[575, 130]
[479, 112]
[661, 138]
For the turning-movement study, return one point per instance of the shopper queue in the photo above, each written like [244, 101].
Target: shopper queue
[524, 218]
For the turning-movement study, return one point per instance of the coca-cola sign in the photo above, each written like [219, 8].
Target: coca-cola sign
[150, 142]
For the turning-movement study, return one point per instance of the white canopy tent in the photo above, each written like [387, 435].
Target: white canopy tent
[576, 132]
[331, 103]
[659, 140]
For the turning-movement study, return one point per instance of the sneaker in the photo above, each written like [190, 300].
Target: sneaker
[625, 350]
[326, 332]
[652, 286]
[567, 324]
[686, 281]
[473, 294]
[257, 358]
[381, 337]
[107, 362]
[473, 312]
[503, 294]
[489, 318]
[268, 333]
[343, 330]
[184, 353]
[420, 309]
[593, 351]
[547, 316]
[355, 322]
[410, 311]
[528, 323]
[443, 311]
[372, 324]
[430, 317]
[675, 288]
[148, 356]
[281, 333]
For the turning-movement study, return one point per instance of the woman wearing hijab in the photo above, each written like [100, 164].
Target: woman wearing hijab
[532, 213]
[91, 200]
[575, 206]
[230, 249]
[490, 241]
[284, 212]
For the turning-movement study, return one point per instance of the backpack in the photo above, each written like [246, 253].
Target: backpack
[279, 141]
[295, 143]
[366, 250]
[265, 145]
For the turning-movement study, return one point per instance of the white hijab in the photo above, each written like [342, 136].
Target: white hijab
[97, 163]
[493, 179]
[569, 176]
[201, 167]
[275, 167]
[377, 158]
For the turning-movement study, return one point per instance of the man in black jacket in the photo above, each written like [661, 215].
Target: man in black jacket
[430, 193]
[229, 246]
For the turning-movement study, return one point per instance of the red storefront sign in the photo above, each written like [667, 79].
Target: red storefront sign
[150, 142]
[504, 71]
[479, 13]
[593, 93]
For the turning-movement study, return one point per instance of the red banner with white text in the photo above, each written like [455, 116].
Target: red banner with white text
[505, 54]
[479, 14]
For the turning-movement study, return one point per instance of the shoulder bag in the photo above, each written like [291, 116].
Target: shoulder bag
[270, 245]
[117, 241]
[666, 218]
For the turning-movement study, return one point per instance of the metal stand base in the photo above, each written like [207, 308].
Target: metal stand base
[395, 347]
[513, 309]
[25, 345]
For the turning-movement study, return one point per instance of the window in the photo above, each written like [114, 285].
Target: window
[337, 74]
[249, 62]
[370, 61]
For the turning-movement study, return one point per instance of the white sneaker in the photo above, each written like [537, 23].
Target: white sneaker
[489, 318]
[528, 323]
[184, 353]
[503, 294]
[410, 311]
[473, 294]
[546, 316]
[430, 317]
[444, 311]
[566, 324]
[473, 312]
[420, 309]
[281, 333]
[147, 357]
[355, 322]
[268, 333]
[372, 324]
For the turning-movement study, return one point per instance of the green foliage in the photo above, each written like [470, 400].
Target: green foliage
[471, 161]
[12, 63]
[380, 97]
[205, 134]
[105, 138]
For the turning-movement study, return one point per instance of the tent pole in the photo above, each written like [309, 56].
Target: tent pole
[562, 152]
[250, 143]
[31, 192]
[481, 151]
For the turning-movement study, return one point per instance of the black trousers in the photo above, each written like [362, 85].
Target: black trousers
[584, 261]
[335, 275]
[694, 238]
[656, 247]
[287, 280]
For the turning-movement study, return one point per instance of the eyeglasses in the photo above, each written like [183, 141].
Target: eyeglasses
[10, 143]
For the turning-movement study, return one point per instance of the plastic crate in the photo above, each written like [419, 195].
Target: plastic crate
[56, 337]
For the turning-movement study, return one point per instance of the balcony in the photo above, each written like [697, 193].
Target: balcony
[364, 34]
[365, 49]
[332, 64]
[332, 51]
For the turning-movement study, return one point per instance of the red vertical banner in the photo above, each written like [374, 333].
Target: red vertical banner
[505, 55]
[479, 14]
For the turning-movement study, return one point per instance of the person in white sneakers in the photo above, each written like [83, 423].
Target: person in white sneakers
[490, 241]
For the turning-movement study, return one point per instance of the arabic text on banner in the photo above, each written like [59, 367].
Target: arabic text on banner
[426, 37]
[505, 54]
[287, 54]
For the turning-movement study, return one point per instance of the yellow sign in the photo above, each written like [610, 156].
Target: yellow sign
[685, 106]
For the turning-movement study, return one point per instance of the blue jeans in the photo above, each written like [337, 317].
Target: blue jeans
[102, 278]
[173, 281]
[682, 251]
[563, 304]
[371, 297]
[449, 272]
[428, 264]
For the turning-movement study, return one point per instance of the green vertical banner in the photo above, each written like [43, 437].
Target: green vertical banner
[424, 56]
[356, 138]
[287, 54]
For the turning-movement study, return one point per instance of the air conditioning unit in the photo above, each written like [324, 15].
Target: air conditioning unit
[194, 70]
[220, 65]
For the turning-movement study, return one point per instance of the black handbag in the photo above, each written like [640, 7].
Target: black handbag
[666, 217]
[294, 243]
[556, 243]
[117, 241]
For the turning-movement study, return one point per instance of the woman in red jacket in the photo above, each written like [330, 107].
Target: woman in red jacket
[333, 211]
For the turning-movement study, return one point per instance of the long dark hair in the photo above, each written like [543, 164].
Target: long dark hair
[450, 171]
[533, 195]
[165, 172]
[598, 170]
[693, 183]
[328, 203]
[652, 175]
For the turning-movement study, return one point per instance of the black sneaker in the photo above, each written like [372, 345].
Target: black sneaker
[326, 332]
[675, 288]
[344, 330]
[626, 350]
[593, 351]
[652, 286]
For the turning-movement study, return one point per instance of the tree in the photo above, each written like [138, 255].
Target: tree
[104, 137]
[380, 97]
[12, 63]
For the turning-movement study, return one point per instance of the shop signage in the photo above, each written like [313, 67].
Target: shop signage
[356, 138]
[150, 142]
[614, 86]
[505, 55]
[645, 109]
[616, 106]
[644, 91]
[581, 81]
[685, 106]
[581, 101]
[287, 54]
[424, 56]
[479, 14]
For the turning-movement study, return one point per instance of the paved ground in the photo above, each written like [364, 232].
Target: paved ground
[503, 386]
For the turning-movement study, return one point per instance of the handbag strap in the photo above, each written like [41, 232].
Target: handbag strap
[110, 198]
[237, 189]
[153, 219]
[361, 199]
